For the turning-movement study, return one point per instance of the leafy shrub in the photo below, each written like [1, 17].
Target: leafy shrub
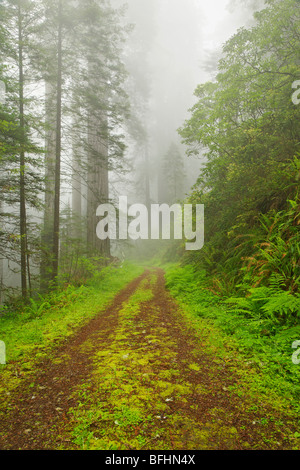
[276, 249]
[265, 302]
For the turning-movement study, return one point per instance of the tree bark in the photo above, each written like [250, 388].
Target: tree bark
[56, 225]
[77, 152]
[23, 221]
[97, 178]
[98, 186]
[47, 235]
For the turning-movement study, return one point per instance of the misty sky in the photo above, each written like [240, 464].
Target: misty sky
[221, 19]
[175, 46]
[219, 23]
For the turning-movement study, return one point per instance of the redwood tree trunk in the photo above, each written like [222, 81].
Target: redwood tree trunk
[23, 222]
[56, 225]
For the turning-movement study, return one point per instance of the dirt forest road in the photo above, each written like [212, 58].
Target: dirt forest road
[137, 377]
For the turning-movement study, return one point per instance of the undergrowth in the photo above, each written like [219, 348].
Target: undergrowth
[260, 326]
[33, 330]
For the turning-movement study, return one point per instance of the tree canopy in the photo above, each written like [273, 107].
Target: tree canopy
[248, 126]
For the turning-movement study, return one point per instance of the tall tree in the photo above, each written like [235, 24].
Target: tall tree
[84, 76]
[23, 219]
[19, 15]
[56, 59]
[248, 125]
[58, 145]
[173, 174]
[103, 104]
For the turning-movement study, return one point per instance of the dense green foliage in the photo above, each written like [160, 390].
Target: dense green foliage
[248, 126]
[248, 325]
[61, 131]
[245, 281]
[21, 156]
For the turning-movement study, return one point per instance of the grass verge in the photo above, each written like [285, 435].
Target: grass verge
[34, 333]
[265, 361]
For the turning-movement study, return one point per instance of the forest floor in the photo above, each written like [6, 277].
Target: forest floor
[139, 377]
